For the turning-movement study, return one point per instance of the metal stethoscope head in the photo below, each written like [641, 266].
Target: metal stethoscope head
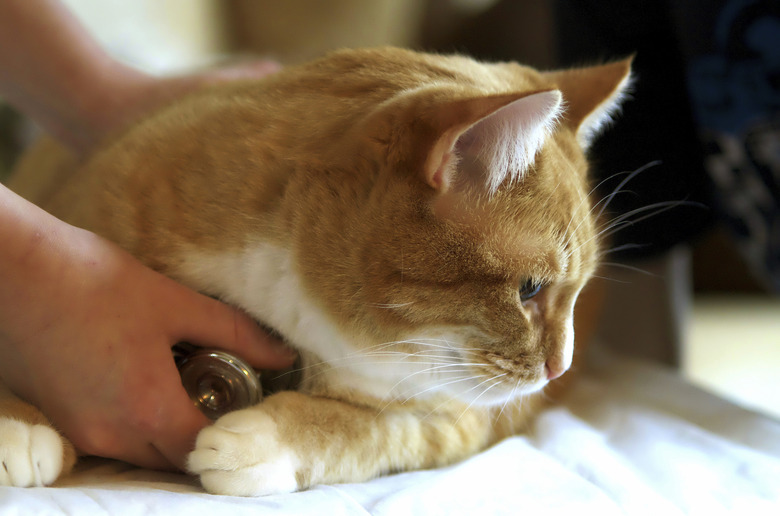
[219, 382]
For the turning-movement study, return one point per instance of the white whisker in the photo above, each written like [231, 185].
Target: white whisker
[631, 268]
[618, 188]
[390, 306]
[511, 397]
[496, 381]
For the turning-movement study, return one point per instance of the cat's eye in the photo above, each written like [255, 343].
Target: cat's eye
[529, 289]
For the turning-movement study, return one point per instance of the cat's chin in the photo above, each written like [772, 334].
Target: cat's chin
[486, 394]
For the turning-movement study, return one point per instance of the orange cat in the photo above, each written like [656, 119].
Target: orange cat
[417, 226]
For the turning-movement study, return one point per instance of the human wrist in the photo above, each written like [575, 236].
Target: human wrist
[105, 95]
[34, 261]
[125, 90]
[52, 70]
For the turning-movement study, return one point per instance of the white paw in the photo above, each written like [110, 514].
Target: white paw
[30, 455]
[241, 455]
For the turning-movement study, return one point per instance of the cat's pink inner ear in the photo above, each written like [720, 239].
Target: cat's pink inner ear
[497, 147]
[487, 140]
[442, 161]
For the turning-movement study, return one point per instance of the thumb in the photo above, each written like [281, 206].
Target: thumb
[247, 69]
[207, 322]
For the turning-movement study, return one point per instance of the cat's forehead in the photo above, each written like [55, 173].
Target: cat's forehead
[506, 242]
[537, 227]
[532, 255]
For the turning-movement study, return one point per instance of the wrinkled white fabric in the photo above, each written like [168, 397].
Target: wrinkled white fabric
[631, 438]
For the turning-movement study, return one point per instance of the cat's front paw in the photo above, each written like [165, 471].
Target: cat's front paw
[30, 455]
[242, 454]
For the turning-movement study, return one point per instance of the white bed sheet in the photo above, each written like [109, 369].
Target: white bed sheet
[631, 438]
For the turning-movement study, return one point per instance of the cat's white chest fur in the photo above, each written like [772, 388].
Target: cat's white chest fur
[263, 281]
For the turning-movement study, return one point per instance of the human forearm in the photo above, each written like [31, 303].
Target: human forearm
[29, 259]
[51, 69]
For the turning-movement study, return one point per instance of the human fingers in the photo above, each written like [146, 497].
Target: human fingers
[183, 423]
[97, 437]
[162, 91]
[247, 69]
[155, 424]
[206, 322]
[165, 449]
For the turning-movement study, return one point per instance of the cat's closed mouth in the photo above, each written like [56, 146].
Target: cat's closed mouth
[520, 371]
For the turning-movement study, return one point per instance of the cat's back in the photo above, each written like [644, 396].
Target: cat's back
[243, 141]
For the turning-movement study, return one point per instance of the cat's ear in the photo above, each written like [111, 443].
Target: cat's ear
[592, 96]
[484, 141]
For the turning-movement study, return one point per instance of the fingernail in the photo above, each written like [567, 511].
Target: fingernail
[282, 349]
[286, 351]
[278, 344]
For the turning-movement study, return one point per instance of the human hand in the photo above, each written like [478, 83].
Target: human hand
[86, 333]
[53, 71]
[129, 94]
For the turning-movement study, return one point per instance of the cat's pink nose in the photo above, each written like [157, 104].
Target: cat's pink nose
[553, 369]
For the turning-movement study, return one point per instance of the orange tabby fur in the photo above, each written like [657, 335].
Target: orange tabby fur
[359, 174]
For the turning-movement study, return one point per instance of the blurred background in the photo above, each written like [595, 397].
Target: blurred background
[694, 285]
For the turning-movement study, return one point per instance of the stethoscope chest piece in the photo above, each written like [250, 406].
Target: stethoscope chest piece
[217, 381]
